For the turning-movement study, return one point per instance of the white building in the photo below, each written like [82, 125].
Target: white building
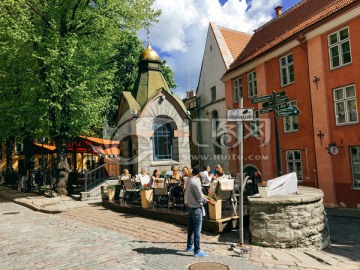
[221, 49]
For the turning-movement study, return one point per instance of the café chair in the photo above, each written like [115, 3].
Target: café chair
[160, 192]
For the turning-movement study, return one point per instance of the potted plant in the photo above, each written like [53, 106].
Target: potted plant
[146, 194]
[111, 192]
[215, 210]
[264, 191]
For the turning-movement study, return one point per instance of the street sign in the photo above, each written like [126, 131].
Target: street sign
[267, 104]
[281, 100]
[261, 99]
[282, 106]
[277, 101]
[291, 108]
[280, 94]
[266, 110]
[244, 114]
[286, 112]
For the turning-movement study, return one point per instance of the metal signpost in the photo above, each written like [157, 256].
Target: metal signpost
[240, 115]
[277, 103]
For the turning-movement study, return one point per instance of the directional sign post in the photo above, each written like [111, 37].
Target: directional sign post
[281, 100]
[287, 112]
[266, 110]
[261, 99]
[240, 115]
[279, 104]
[277, 142]
[280, 94]
[282, 106]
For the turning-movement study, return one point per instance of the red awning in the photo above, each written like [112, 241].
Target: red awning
[95, 146]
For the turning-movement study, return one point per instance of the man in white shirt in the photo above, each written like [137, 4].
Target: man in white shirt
[143, 177]
[205, 175]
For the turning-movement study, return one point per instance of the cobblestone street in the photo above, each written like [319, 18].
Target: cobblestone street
[96, 238]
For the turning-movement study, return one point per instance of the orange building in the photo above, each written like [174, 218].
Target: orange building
[311, 51]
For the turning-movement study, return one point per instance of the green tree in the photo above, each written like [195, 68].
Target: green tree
[56, 62]
[168, 74]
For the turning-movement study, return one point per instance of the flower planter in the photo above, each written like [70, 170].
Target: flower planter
[264, 192]
[146, 198]
[111, 194]
[215, 210]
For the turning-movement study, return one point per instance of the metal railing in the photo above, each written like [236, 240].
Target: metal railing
[106, 171]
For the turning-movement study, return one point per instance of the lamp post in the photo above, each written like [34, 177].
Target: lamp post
[42, 159]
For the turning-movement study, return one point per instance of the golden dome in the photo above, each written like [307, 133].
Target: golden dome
[149, 53]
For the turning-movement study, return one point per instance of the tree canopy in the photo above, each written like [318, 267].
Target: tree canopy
[56, 62]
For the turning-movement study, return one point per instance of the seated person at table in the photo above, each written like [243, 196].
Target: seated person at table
[125, 176]
[143, 178]
[206, 176]
[175, 183]
[213, 185]
[218, 168]
[220, 175]
[186, 172]
[175, 177]
[155, 175]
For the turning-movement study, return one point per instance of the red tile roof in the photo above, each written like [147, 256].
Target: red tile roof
[235, 40]
[288, 26]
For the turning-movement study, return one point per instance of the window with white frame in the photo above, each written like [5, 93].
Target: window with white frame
[213, 93]
[355, 165]
[252, 87]
[345, 105]
[237, 90]
[291, 123]
[287, 69]
[254, 125]
[339, 48]
[294, 164]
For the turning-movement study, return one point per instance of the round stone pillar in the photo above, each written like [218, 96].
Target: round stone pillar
[290, 221]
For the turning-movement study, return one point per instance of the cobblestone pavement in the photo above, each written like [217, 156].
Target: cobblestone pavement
[96, 238]
[93, 237]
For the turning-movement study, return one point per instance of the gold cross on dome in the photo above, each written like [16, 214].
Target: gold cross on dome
[148, 35]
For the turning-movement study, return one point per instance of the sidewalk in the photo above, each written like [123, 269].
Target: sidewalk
[344, 227]
[43, 204]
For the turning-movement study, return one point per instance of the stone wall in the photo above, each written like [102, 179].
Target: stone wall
[290, 221]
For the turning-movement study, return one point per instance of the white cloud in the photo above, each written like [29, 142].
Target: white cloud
[180, 35]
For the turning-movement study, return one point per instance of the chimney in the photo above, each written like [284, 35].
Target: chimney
[278, 10]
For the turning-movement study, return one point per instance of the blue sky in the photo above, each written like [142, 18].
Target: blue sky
[180, 35]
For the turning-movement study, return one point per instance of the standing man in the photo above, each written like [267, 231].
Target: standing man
[195, 199]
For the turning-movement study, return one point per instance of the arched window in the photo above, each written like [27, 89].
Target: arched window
[162, 143]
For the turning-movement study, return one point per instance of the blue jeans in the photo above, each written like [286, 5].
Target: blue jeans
[194, 228]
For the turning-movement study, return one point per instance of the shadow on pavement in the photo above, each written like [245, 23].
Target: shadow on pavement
[344, 236]
[161, 251]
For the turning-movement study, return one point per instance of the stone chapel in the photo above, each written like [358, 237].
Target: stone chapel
[153, 123]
